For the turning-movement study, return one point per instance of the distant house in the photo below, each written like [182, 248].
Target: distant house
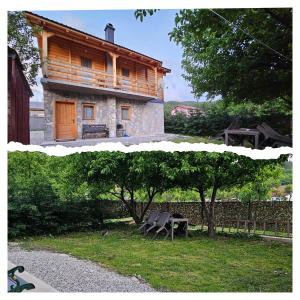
[37, 109]
[19, 93]
[186, 110]
[93, 82]
[37, 116]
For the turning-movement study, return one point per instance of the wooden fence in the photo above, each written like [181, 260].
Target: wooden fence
[275, 228]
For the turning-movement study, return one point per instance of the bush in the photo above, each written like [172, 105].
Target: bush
[219, 116]
[53, 218]
[34, 207]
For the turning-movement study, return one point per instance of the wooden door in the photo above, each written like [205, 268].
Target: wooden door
[65, 121]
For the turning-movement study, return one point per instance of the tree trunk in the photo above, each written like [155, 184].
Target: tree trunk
[150, 199]
[249, 217]
[203, 204]
[131, 206]
[211, 213]
[211, 226]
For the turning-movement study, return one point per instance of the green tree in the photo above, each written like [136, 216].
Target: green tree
[226, 52]
[125, 175]
[21, 38]
[207, 173]
[260, 187]
[31, 197]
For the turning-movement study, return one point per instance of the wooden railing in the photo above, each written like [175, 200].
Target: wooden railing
[77, 74]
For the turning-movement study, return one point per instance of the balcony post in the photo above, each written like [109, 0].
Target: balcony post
[114, 67]
[45, 36]
[155, 81]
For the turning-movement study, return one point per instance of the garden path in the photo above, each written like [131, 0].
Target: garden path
[68, 274]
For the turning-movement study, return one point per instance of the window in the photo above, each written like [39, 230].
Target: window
[86, 62]
[125, 112]
[125, 72]
[88, 111]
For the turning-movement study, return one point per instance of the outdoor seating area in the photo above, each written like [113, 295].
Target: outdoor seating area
[157, 222]
[259, 137]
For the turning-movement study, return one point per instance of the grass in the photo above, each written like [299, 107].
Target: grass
[195, 264]
[197, 139]
[233, 230]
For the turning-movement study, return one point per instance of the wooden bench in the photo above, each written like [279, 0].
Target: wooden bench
[94, 131]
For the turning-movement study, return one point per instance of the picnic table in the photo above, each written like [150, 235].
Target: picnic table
[243, 132]
[174, 221]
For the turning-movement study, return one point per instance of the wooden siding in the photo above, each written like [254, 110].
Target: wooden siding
[18, 102]
[64, 63]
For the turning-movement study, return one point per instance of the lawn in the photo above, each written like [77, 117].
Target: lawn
[197, 139]
[195, 264]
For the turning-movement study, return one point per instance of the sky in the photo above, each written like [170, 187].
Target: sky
[149, 37]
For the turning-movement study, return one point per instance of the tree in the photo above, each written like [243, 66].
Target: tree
[31, 197]
[70, 180]
[240, 54]
[21, 39]
[125, 174]
[260, 187]
[141, 13]
[207, 173]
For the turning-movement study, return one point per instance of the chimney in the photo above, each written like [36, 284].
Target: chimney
[109, 32]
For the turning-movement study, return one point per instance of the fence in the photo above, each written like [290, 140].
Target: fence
[276, 228]
[261, 217]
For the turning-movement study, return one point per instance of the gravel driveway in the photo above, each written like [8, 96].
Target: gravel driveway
[68, 274]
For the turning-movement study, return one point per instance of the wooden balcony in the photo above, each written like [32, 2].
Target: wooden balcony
[66, 72]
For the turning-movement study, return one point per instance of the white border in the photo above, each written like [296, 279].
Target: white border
[59, 150]
[133, 4]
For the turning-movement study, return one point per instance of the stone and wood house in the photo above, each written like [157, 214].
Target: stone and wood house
[92, 81]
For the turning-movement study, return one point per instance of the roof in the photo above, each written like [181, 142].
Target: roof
[14, 55]
[95, 37]
[36, 105]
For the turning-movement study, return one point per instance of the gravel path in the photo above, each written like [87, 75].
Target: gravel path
[68, 274]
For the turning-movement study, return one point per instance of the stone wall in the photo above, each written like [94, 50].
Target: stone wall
[147, 118]
[261, 211]
[49, 103]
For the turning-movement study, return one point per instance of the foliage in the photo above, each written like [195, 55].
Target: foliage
[56, 194]
[34, 206]
[226, 54]
[141, 13]
[224, 264]
[209, 172]
[261, 185]
[219, 58]
[126, 174]
[20, 38]
[219, 115]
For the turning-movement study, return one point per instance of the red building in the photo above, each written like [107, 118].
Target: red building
[19, 93]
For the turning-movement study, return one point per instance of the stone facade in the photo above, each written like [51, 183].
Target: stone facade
[146, 117]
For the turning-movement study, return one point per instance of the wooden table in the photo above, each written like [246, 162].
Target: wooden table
[243, 131]
[179, 220]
